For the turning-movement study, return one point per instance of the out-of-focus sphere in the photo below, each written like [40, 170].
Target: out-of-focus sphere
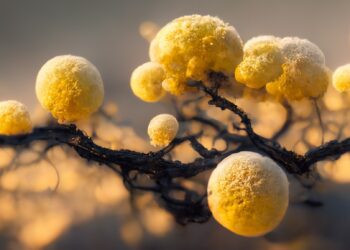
[341, 78]
[14, 118]
[70, 87]
[146, 82]
[162, 129]
[191, 46]
[248, 194]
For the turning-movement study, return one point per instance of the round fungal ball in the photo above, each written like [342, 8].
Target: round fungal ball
[14, 118]
[300, 79]
[191, 46]
[262, 62]
[146, 82]
[248, 194]
[295, 48]
[162, 129]
[341, 78]
[70, 87]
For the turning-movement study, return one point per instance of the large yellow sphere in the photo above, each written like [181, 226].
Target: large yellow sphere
[162, 129]
[341, 78]
[191, 46]
[14, 118]
[70, 87]
[146, 82]
[248, 194]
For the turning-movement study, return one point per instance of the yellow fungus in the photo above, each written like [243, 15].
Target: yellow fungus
[248, 194]
[162, 129]
[146, 82]
[191, 46]
[262, 62]
[14, 118]
[70, 87]
[341, 78]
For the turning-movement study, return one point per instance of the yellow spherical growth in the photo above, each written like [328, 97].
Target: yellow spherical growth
[304, 72]
[248, 194]
[300, 79]
[162, 129]
[341, 78]
[14, 118]
[262, 62]
[191, 46]
[146, 82]
[70, 87]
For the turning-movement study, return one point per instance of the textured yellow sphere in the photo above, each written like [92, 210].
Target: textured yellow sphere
[146, 82]
[248, 194]
[341, 78]
[300, 79]
[162, 129]
[262, 62]
[191, 46]
[70, 87]
[14, 118]
[305, 74]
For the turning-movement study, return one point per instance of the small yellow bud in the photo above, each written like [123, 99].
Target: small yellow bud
[341, 78]
[14, 118]
[162, 129]
[146, 82]
[191, 46]
[70, 87]
[262, 62]
[248, 194]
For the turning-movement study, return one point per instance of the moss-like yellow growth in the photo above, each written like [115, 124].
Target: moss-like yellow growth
[146, 82]
[70, 87]
[304, 72]
[191, 46]
[14, 118]
[162, 129]
[262, 62]
[341, 78]
[248, 194]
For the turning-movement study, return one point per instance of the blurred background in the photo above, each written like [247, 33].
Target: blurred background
[90, 209]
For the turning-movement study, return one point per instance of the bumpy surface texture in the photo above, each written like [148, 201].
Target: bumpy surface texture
[262, 62]
[304, 72]
[341, 78]
[191, 46]
[14, 118]
[146, 82]
[70, 87]
[162, 129]
[248, 194]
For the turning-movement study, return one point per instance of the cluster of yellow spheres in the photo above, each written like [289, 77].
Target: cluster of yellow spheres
[190, 47]
[247, 192]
